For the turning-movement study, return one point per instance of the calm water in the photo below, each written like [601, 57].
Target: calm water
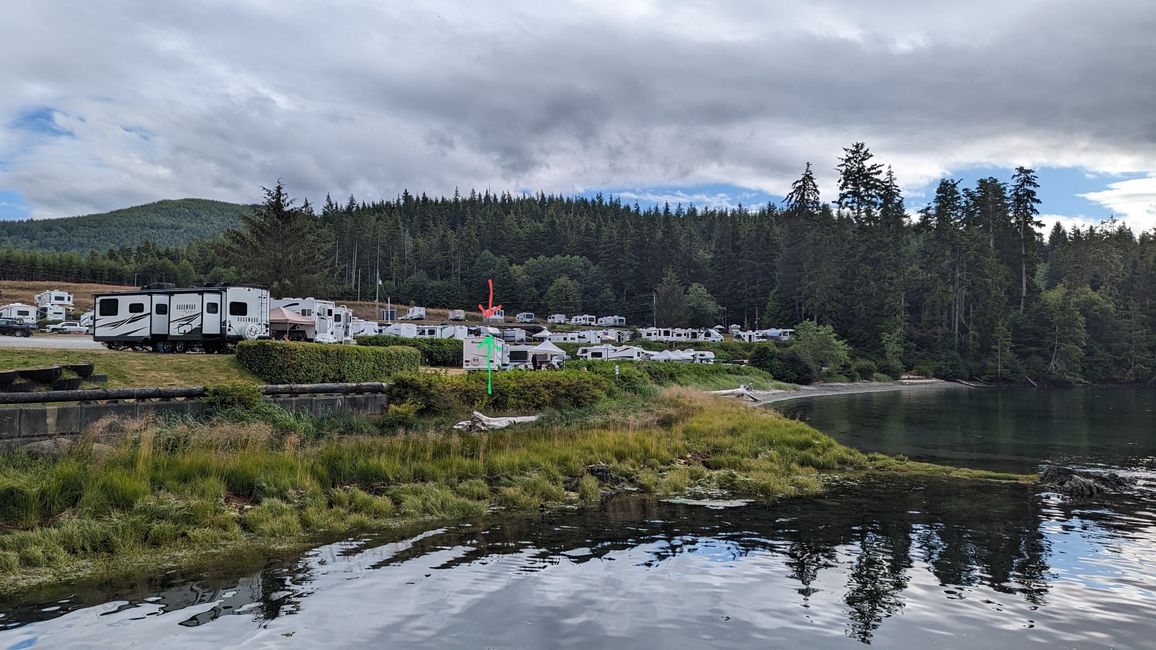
[889, 562]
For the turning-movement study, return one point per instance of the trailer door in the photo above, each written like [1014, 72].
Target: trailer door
[186, 314]
[160, 314]
[214, 315]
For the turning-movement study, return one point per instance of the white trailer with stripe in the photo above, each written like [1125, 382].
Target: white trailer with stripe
[163, 318]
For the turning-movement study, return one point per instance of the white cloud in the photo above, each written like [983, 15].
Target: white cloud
[369, 98]
[1134, 199]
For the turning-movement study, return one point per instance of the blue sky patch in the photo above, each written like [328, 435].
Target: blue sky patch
[12, 206]
[40, 120]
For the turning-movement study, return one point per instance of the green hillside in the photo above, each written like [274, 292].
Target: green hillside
[165, 223]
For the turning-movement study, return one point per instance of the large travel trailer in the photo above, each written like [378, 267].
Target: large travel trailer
[457, 314]
[584, 319]
[612, 321]
[359, 327]
[164, 318]
[585, 336]
[19, 311]
[497, 316]
[324, 313]
[677, 335]
[754, 336]
[556, 319]
[524, 317]
[54, 297]
[613, 353]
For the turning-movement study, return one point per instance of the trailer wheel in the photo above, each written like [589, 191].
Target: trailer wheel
[179, 347]
[22, 334]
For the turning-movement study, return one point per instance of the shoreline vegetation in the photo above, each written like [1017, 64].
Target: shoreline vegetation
[138, 495]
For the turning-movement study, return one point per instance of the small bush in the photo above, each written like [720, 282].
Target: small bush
[589, 490]
[401, 415]
[279, 362]
[233, 395]
[863, 369]
[443, 353]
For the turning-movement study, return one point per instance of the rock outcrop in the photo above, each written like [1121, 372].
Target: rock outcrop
[1080, 483]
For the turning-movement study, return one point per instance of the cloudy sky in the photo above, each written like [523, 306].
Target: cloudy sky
[112, 104]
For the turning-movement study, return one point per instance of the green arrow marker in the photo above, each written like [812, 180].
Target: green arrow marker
[488, 344]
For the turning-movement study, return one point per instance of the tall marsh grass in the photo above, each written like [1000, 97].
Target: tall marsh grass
[131, 486]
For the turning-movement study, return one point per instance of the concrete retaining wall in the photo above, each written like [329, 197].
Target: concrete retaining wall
[24, 423]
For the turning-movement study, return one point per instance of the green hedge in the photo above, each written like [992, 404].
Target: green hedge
[520, 391]
[279, 362]
[443, 353]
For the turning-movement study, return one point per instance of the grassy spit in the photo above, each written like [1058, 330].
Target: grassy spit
[148, 493]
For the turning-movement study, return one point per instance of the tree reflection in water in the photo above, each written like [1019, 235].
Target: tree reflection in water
[873, 535]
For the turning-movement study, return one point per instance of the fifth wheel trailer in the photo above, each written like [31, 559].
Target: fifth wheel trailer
[163, 318]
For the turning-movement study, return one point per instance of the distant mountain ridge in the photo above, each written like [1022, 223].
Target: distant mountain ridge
[172, 222]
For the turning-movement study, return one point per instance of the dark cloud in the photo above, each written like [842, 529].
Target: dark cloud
[370, 98]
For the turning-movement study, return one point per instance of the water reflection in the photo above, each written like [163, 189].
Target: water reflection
[885, 562]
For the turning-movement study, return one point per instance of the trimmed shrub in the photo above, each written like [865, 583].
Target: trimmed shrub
[279, 362]
[233, 395]
[443, 353]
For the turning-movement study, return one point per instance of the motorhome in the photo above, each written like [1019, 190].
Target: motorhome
[524, 317]
[612, 321]
[19, 311]
[324, 313]
[414, 313]
[584, 319]
[556, 319]
[484, 352]
[164, 318]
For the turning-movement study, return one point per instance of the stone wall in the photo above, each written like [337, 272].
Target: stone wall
[24, 423]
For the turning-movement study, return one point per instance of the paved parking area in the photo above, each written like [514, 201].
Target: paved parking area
[51, 342]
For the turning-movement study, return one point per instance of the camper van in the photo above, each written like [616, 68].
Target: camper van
[163, 318]
[612, 321]
[20, 312]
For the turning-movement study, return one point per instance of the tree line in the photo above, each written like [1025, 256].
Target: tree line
[970, 287]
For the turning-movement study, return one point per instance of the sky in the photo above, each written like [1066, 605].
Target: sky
[112, 104]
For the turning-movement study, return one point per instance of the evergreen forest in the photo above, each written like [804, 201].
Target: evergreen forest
[969, 287]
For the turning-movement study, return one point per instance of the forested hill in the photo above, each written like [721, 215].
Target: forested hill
[165, 223]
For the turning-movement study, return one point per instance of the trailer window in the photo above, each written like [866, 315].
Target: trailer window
[108, 307]
[238, 308]
[211, 308]
[162, 309]
[136, 308]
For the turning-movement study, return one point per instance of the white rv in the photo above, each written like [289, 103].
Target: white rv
[359, 327]
[54, 297]
[497, 316]
[457, 314]
[514, 335]
[524, 317]
[86, 320]
[478, 355]
[556, 319]
[163, 318]
[612, 321]
[51, 312]
[323, 312]
[584, 336]
[343, 324]
[414, 313]
[19, 311]
[613, 353]
[584, 319]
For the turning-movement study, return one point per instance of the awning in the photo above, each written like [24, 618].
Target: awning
[288, 317]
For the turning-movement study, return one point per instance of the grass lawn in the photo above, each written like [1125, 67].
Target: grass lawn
[138, 368]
